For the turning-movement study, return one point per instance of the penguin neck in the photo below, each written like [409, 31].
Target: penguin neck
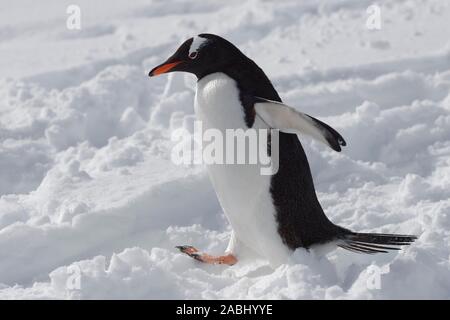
[250, 79]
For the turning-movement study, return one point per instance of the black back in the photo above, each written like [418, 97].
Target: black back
[301, 220]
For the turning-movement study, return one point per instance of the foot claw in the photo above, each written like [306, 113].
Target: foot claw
[189, 250]
[196, 256]
[206, 258]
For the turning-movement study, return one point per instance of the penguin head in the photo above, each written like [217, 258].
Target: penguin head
[200, 55]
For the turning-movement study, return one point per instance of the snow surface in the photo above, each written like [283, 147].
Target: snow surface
[86, 181]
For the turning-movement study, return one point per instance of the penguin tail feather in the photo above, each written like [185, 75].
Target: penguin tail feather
[371, 243]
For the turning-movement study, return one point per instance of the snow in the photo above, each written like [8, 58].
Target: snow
[87, 186]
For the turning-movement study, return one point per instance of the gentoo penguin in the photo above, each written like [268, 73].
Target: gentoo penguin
[270, 215]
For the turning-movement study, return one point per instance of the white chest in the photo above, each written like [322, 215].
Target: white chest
[242, 191]
[217, 103]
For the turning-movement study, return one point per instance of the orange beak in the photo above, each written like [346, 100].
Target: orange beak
[163, 68]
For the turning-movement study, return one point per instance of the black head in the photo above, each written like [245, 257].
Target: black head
[201, 55]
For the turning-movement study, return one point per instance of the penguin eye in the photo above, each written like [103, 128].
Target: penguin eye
[193, 55]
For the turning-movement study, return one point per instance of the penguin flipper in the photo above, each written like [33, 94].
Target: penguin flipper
[280, 116]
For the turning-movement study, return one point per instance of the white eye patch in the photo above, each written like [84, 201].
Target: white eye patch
[193, 55]
[196, 44]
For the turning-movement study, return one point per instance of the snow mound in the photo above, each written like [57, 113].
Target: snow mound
[92, 207]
